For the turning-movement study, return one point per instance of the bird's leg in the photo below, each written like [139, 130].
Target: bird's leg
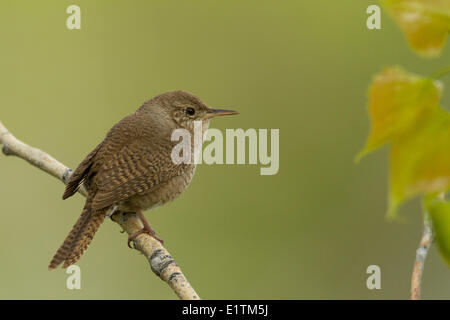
[146, 229]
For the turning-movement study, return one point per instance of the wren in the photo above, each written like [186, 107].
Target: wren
[131, 170]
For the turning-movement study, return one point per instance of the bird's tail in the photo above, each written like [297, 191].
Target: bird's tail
[79, 237]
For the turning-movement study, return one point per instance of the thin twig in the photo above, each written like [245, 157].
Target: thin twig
[421, 255]
[161, 262]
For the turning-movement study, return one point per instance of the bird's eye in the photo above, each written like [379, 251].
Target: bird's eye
[190, 111]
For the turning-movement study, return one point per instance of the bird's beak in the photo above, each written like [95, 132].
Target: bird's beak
[212, 113]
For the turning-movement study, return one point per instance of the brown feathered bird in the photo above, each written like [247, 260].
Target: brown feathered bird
[132, 170]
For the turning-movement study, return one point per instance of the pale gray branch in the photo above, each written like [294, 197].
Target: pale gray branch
[161, 262]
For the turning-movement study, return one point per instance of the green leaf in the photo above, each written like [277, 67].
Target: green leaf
[420, 160]
[439, 211]
[404, 111]
[397, 101]
[425, 23]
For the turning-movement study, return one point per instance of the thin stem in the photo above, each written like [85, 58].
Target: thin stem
[421, 255]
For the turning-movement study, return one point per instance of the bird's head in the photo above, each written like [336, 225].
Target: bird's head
[183, 108]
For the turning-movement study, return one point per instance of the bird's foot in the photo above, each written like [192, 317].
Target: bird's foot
[146, 229]
[150, 232]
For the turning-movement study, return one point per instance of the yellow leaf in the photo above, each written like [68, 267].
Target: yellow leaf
[404, 111]
[397, 102]
[425, 23]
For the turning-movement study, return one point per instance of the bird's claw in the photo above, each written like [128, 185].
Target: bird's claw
[151, 233]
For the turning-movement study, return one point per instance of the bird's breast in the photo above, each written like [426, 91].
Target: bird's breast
[164, 192]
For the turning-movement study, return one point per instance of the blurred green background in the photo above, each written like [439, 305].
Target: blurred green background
[304, 67]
